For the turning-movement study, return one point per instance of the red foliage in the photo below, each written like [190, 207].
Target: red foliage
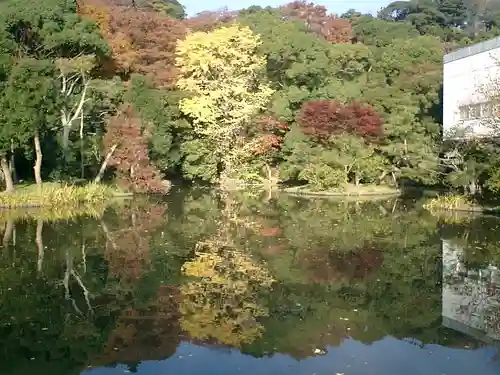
[270, 232]
[270, 132]
[325, 267]
[208, 21]
[131, 158]
[142, 41]
[127, 248]
[321, 119]
[334, 29]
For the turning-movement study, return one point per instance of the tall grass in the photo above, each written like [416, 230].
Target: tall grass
[52, 214]
[54, 195]
[449, 202]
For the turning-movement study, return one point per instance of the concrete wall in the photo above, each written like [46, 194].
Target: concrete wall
[471, 87]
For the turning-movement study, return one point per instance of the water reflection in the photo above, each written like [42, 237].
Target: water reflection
[471, 287]
[206, 284]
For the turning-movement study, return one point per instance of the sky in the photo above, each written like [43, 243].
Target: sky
[334, 6]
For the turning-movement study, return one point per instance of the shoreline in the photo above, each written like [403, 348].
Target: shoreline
[54, 195]
[372, 191]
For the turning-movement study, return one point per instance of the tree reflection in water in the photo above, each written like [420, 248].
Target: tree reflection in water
[281, 275]
[223, 302]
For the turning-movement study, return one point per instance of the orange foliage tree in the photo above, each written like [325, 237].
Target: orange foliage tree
[320, 119]
[142, 41]
[334, 29]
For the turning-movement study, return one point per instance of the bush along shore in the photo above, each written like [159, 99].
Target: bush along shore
[457, 202]
[57, 195]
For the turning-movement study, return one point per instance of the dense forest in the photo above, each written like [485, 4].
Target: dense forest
[137, 93]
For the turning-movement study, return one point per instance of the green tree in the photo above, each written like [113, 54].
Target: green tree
[50, 28]
[298, 62]
[380, 33]
[160, 112]
[406, 89]
[29, 108]
[38, 32]
[171, 7]
[342, 159]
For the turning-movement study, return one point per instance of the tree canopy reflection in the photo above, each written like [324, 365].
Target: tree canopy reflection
[280, 274]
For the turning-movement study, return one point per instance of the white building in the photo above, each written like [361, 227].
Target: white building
[471, 90]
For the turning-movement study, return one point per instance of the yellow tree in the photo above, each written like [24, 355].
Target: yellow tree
[221, 70]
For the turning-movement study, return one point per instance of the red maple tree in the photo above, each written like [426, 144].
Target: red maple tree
[131, 157]
[331, 27]
[320, 119]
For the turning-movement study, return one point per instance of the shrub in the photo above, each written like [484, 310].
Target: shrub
[323, 177]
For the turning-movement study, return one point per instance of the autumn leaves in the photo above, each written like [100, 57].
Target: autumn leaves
[220, 70]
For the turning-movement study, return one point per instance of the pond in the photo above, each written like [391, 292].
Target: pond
[253, 284]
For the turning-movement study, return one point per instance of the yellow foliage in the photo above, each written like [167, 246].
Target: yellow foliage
[218, 265]
[221, 71]
[222, 302]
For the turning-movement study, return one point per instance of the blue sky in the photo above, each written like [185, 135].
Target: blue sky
[334, 6]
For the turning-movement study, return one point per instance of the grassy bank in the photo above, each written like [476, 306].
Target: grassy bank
[452, 202]
[460, 203]
[55, 195]
[52, 214]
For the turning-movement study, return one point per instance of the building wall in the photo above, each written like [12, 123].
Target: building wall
[471, 79]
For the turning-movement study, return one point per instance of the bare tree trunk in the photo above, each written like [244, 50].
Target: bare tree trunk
[268, 171]
[67, 119]
[39, 243]
[7, 234]
[12, 162]
[394, 179]
[109, 237]
[38, 162]
[382, 176]
[105, 164]
[9, 184]
[82, 168]
[66, 279]
[357, 179]
[84, 255]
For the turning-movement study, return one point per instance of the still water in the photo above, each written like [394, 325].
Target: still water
[198, 284]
